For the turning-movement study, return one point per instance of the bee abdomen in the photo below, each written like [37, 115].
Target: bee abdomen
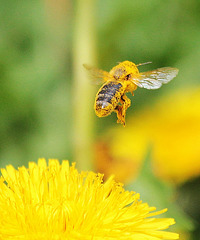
[105, 98]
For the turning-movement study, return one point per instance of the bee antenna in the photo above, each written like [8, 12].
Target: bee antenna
[140, 64]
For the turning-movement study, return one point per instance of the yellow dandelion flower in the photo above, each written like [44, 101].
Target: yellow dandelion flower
[56, 202]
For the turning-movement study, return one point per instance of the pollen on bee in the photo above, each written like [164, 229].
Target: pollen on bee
[104, 105]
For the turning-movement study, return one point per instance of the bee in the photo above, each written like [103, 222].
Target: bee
[124, 78]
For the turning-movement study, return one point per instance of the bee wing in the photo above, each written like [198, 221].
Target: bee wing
[97, 75]
[154, 79]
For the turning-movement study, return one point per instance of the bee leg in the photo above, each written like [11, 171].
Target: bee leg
[126, 103]
[119, 111]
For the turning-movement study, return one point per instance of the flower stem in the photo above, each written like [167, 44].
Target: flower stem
[83, 92]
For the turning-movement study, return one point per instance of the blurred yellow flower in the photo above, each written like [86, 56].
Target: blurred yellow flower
[171, 129]
[57, 202]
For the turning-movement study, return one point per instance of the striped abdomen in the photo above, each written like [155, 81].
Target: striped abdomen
[107, 98]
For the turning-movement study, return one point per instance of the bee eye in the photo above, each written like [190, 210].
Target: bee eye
[128, 76]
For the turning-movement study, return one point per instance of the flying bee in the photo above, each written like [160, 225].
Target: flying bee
[123, 78]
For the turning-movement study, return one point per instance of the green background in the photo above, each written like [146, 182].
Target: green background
[36, 69]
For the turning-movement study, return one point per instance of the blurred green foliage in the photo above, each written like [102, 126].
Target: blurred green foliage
[35, 85]
[36, 44]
